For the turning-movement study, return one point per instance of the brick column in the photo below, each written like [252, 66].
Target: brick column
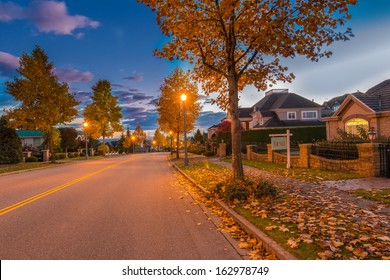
[221, 151]
[249, 150]
[270, 153]
[369, 159]
[304, 155]
[46, 155]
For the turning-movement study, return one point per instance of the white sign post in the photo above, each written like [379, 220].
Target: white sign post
[282, 142]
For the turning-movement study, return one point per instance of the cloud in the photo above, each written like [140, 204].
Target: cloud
[47, 16]
[8, 64]
[125, 87]
[133, 116]
[136, 78]
[70, 75]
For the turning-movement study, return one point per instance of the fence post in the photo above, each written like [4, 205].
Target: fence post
[270, 153]
[304, 155]
[249, 150]
[369, 159]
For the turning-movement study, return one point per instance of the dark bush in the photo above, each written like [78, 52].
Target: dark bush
[208, 154]
[60, 156]
[264, 189]
[196, 152]
[31, 159]
[10, 144]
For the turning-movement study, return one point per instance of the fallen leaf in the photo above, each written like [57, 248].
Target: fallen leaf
[359, 252]
[337, 243]
[384, 238]
[325, 255]
[292, 243]
[270, 227]
[283, 228]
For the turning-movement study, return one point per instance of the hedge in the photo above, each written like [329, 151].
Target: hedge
[261, 137]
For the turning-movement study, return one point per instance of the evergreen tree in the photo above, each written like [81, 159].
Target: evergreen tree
[10, 144]
[68, 138]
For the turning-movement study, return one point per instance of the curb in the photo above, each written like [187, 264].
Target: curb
[268, 242]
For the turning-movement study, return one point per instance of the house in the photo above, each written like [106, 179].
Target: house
[212, 131]
[31, 139]
[280, 108]
[369, 110]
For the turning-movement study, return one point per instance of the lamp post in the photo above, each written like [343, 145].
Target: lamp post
[85, 125]
[170, 132]
[132, 140]
[183, 98]
[371, 134]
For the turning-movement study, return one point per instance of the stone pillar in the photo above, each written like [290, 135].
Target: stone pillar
[221, 151]
[46, 155]
[91, 152]
[80, 151]
[304, 155]
[27, 154]
[369, 159]
[270, 153]
[249, 151]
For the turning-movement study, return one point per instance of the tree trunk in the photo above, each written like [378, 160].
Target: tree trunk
[177, 145]
[104, 145]
[238, 171]
[51, 146]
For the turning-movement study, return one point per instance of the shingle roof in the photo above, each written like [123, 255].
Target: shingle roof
[29, 133]
[245, 112]
[377, 97]
[284, 100]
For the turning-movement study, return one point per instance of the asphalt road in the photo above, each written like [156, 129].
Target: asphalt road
[125, 207]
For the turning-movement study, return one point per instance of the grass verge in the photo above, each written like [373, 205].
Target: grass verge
[380, 195]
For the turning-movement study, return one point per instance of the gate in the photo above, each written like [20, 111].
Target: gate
[384, 150]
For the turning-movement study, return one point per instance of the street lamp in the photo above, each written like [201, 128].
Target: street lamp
[170, 132]
[132, 140]
[183, 98]
[85, 125]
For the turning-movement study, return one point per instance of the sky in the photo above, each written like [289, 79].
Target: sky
[90, 40]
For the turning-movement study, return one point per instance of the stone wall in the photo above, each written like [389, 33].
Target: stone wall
[367, 165]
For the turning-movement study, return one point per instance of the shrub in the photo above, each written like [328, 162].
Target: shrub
[10, 144]
[232, 189]
[264, 189]
[31, 159]
[196, 152]
[208, 154]
[102, 148]
[71, 155]
[60, 156]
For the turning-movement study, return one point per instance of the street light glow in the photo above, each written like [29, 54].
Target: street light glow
[85, 124]
[183, 97]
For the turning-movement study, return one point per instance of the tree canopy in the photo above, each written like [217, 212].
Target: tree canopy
[44, 101]
[103, 115]
[158, 138]
[139, 135]
[68, 138]
[10, 144]
[234, 43]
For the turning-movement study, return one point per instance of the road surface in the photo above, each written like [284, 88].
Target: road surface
[125, 207]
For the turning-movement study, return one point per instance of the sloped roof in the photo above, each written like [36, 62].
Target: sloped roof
[245, 112]
[29, 133]
[284, 100]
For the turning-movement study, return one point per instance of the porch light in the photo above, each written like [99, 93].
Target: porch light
[371, 134]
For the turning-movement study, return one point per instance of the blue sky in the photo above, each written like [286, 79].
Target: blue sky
[90, 40]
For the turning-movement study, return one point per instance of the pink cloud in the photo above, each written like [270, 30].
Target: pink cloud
[8, 64]
[48, 16]
[70, 75]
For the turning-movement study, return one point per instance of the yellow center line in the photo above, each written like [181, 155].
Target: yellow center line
[56, 189]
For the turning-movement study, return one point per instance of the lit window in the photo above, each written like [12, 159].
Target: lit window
[291, 115]
[354, 126]
[309, 115]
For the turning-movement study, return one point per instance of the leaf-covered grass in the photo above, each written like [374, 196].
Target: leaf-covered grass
[304, 251]
[380, 195]
[303, 174]
[307, 220]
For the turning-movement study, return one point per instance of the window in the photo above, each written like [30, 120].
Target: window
[309, 115]
[355, 126]
[291, 115]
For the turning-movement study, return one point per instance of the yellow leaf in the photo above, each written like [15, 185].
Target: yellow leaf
[359, 252]
[270, 227]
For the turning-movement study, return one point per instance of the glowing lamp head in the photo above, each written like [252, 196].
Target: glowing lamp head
[85, 124]
[183, 97]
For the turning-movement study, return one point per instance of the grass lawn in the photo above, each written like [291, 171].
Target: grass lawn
[380, 195]
[303, 174]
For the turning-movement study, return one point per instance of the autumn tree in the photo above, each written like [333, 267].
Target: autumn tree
[234, 43]
[44, 101]
[139, 135]
[68, 138]
[198, 137]
[103, 114]
[170, 107]
[158, 138]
